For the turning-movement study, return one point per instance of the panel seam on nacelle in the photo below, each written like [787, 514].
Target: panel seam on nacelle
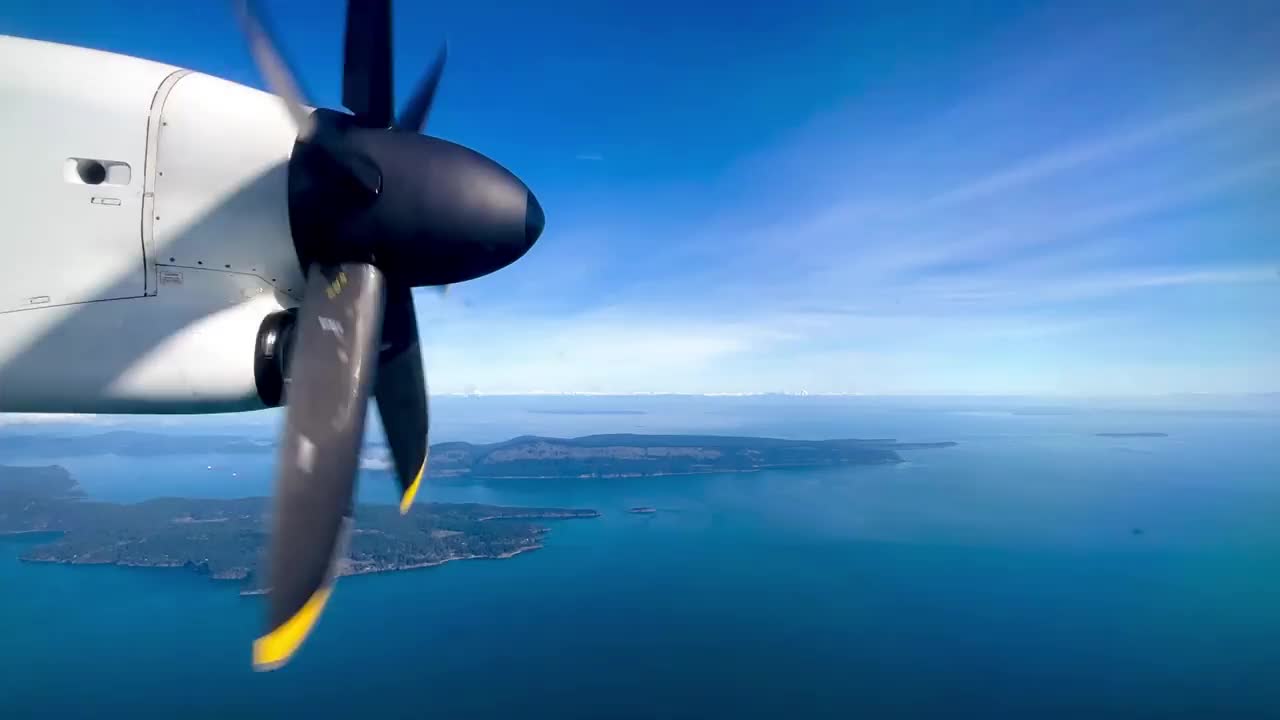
[296, 297]
[155, 121]
[78, 302]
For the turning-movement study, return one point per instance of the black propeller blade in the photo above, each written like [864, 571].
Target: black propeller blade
[366, 73]
[331, 375]
[414, 115]
[375, 209]
[401, 392]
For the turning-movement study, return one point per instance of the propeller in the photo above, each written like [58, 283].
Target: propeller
[375, 209]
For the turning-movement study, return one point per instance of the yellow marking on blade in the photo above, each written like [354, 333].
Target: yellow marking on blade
[276, 647]
[334, 289]
[406, 500]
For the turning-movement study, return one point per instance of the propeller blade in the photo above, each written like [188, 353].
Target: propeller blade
[401, 392]
[331, 374]
[366, 70]
[363, 176]
[414, 115]
[280, 78]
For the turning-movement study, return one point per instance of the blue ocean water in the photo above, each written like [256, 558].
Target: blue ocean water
[999, 578]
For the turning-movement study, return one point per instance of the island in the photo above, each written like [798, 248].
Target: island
[1131, 434]
[630, 456]
[525, 457]
[224, 539]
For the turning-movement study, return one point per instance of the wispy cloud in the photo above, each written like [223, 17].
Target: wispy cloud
[1058, 161]
[974, 253]
[589, 157]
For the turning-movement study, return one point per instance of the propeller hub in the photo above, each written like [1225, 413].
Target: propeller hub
[426, 211]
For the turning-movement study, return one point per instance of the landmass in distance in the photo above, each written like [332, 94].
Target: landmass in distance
[224, 538]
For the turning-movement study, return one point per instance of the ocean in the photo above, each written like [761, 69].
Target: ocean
[1034, 570]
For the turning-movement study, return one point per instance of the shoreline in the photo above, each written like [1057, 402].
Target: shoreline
[437, 563]
[345, 572]
[541, 516]
[419, 566]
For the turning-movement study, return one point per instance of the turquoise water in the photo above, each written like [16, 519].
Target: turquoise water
[1000, 578]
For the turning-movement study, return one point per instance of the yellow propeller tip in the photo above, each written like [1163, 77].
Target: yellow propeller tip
[274, 649]
[406, 500]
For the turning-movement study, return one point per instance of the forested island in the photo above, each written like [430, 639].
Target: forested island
[619, 456]
[225, 538]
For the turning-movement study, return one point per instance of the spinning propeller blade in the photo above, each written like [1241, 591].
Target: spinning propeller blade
[414, 115]
[401, 392]
[366, 70]
[331, 375]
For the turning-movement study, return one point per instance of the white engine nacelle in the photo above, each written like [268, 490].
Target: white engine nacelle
[147, 234]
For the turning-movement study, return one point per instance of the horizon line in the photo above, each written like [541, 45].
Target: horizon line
[803, 393]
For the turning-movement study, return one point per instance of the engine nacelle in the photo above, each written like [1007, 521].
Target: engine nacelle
[192, 349]
[146, 236]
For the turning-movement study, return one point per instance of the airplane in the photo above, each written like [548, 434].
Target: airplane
[179, 243]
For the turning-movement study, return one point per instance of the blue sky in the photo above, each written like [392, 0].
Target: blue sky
[832, 197]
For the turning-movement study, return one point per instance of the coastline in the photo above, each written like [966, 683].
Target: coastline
[534, 515]
[346, 572]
